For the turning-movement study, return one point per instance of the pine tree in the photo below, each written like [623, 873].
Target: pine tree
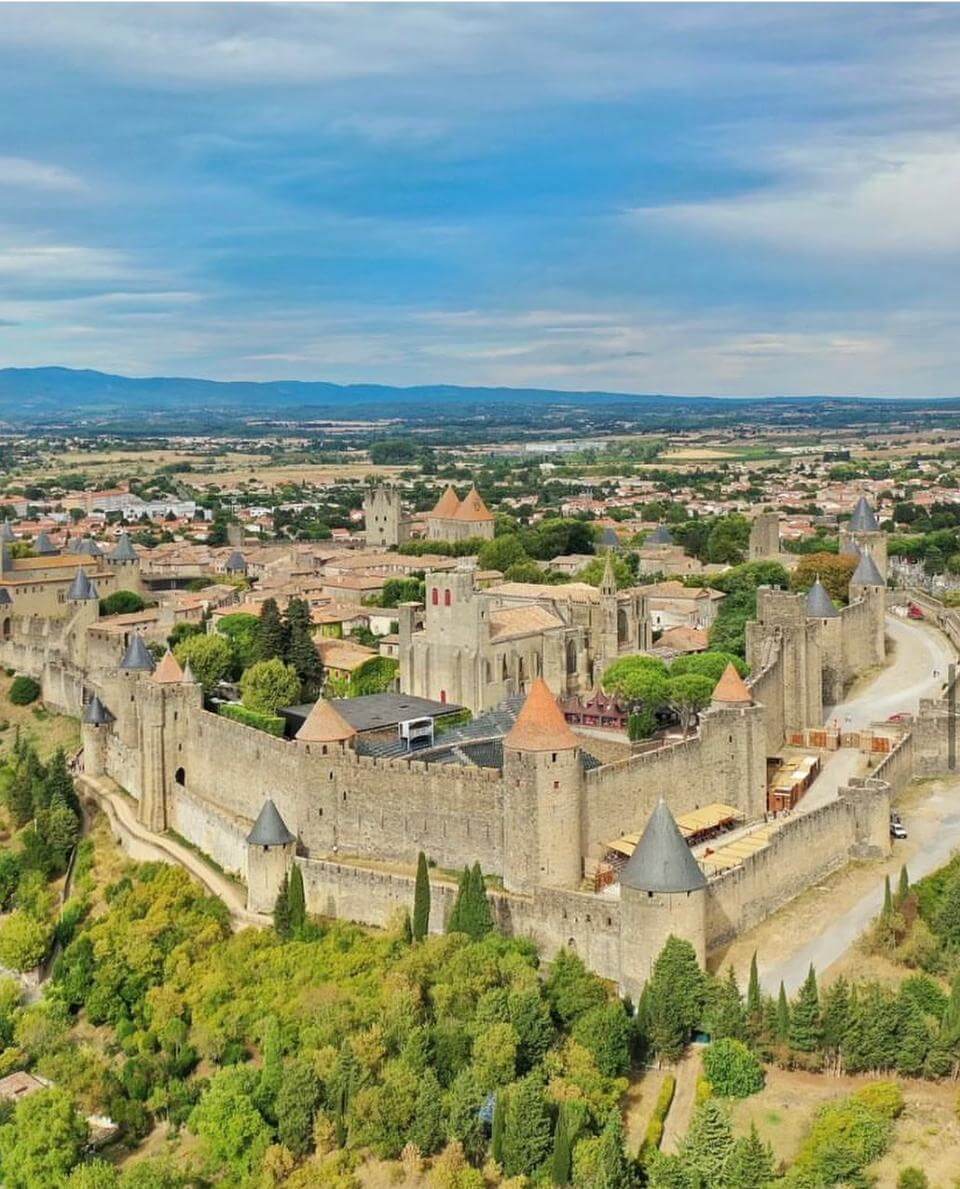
[750, 1163]
[421, 900]
[887, 898]
[499, 1121]
[343, 1084]
[59, 783]
[272, 640]
[527, 1135]
[903, 890]
[427, 1130]
[281, 910]
[913, 1039]
[480, 918]
[296, 900]
[836, 1020]
[708, 1142]
[805, 1025]
[614, 1171]
[561, 1162]
[783, 1014]
[301, 648]
[20, 797]
[754, 1001]
[456, 923]
[724, 1013]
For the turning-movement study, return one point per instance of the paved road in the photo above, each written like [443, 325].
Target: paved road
[935, 822]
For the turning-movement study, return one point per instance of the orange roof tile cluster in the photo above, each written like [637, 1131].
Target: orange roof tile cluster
[447, 505]
[168, 672]
[540, 725]
[473, 507]
[731, 689]
[324, 725]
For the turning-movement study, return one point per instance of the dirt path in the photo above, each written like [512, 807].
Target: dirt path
[142, 844]
[684, 1099]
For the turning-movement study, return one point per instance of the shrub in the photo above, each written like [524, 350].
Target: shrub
[884, 1098]
[271, 723]
[24, 690]
[912, 1178]
[654, 1132]
[23, 941]
[734, 1070]
[122, 602]
[846, 1136]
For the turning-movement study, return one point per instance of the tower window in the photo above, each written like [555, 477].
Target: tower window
[435, 596]
[447, 598]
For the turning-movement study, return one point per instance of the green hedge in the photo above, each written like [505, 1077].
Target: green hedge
[661, 1108]
[271, 723]
[23, 691]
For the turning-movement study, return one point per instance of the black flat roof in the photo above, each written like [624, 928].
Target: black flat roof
[374, 711]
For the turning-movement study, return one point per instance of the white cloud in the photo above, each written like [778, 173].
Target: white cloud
[21, 171]
[53, 264]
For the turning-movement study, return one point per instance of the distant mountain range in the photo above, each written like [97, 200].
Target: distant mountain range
[60, 396]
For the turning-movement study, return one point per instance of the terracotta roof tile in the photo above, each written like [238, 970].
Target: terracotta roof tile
[473, 508]
[325, 725]
[540, 725]
[731, 689]
[447, 505]
[168, 672]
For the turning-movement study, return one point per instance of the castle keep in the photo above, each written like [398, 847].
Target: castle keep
[515, 789]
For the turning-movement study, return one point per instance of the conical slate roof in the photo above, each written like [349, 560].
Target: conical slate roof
[662, 861]
[447, 505]
[609, 539]
[731, 689]
[819, 603]
[6, 532]
[81, 587]
[270, 829]
[849, 548]
[168, 672]
[325, 725]
[866, 573]
[87, 546]
[540, 725]
[124, 550]
[96, 713]
[661, 535]
[864, 519]
[236, 561]
[137, 657]
[43, 546]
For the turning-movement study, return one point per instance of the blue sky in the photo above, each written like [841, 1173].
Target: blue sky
[750, 199]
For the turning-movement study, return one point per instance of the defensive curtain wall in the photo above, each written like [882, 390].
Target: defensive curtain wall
[208, 778]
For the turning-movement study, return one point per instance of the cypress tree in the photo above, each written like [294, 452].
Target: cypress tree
[281, 910]
[456, 923]
[754, 1004]
[20, 797]
[296, 901]
[903, 891]
[499, 1119]
[59, 783]
[427, 1130]
[421, 900]
[887, 897]
[527, 1136]
[614, 1170]
[783, 1014]
[836, 1019]
[561, 1162]
[272, 639]
[481, 919]
[806, 1028]
[301, 649]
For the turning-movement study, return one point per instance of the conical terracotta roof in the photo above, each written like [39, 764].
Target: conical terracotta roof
[325, 725]
[731, 689]
[473, 507]
[540, 725]
[168, 672]
[447, 505]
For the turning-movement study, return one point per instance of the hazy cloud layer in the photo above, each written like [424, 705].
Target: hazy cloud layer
[706, 199]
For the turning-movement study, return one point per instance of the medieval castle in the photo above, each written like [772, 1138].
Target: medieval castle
[516, 788]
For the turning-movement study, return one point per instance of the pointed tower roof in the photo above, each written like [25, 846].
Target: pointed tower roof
[96, 714]
[447, 505]
[473, 508]
[137, 658]
[81, 587]
[540, 725]
[608, 583]
[866, 573]
[661, 535]
[168, 672]
[188, 677]
[819, 603]
[864, 519]
[270, 829]
[124, 550]
[236, 562]
[43, 546]
[6, 532]
[87, 546]
[731, 690]
[325, 725]
[661, 860]
[609, 538]
[849, 548]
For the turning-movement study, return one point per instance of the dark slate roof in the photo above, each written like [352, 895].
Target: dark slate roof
[81, 587]
[87, 546]
[662, 861]
[819, 603]
[96, 713]
[864, 519]
[270, 829]
[44, 547]
[661, 535]
[236, 561]
[849, 548]
[137, 656]
[609, 539]
[5, 599]
[124, 550]
[6, 532]
[866, 573]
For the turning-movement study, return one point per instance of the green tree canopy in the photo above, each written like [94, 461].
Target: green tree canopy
[268, 685]
[209, 656]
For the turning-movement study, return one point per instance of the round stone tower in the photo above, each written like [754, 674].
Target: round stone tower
[270, 851]
[95, 726]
